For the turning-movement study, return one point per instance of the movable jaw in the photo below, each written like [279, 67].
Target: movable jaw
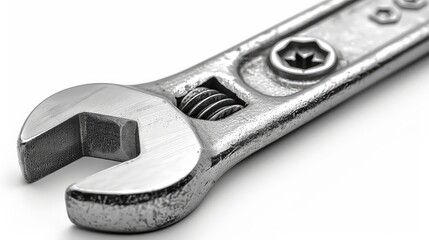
[151, 189]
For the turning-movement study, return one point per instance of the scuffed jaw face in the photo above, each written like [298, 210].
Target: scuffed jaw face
[156, 144]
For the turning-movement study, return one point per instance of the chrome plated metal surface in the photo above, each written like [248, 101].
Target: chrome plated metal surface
[171, 154]
[411, 4]
[302, 58]
[386, 15]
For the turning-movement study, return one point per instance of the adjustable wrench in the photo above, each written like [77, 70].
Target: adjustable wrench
[177, 136]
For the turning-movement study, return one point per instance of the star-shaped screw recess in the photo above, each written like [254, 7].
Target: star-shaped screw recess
[302, 58]
[303, 55]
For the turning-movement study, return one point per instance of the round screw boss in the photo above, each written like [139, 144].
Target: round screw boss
[411, 4]
[300, 58]
[386, 15]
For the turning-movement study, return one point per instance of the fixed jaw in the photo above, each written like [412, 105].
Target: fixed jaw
[237, 103]
[155, 142]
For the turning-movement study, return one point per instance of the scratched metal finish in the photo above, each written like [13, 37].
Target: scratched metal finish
[352, 33]
[140, 212]
[277, 109]
[267, 118]
[155, 186]
[106, 201]
[230, 140]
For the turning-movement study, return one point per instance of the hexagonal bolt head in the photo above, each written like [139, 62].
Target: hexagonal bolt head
[302, 58]
[411, 4]
[386, 15]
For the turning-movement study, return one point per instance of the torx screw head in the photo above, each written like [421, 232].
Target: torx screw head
[411, 4]
[302, 58]
[386, 15]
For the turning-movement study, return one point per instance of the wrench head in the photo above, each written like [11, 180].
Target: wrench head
[155, 142]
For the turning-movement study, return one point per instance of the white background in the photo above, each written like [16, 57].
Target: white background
[358, 172]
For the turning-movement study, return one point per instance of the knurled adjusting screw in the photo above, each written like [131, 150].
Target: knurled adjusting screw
[302, 58]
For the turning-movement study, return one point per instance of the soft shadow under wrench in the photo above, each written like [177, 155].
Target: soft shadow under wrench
[178, 135]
